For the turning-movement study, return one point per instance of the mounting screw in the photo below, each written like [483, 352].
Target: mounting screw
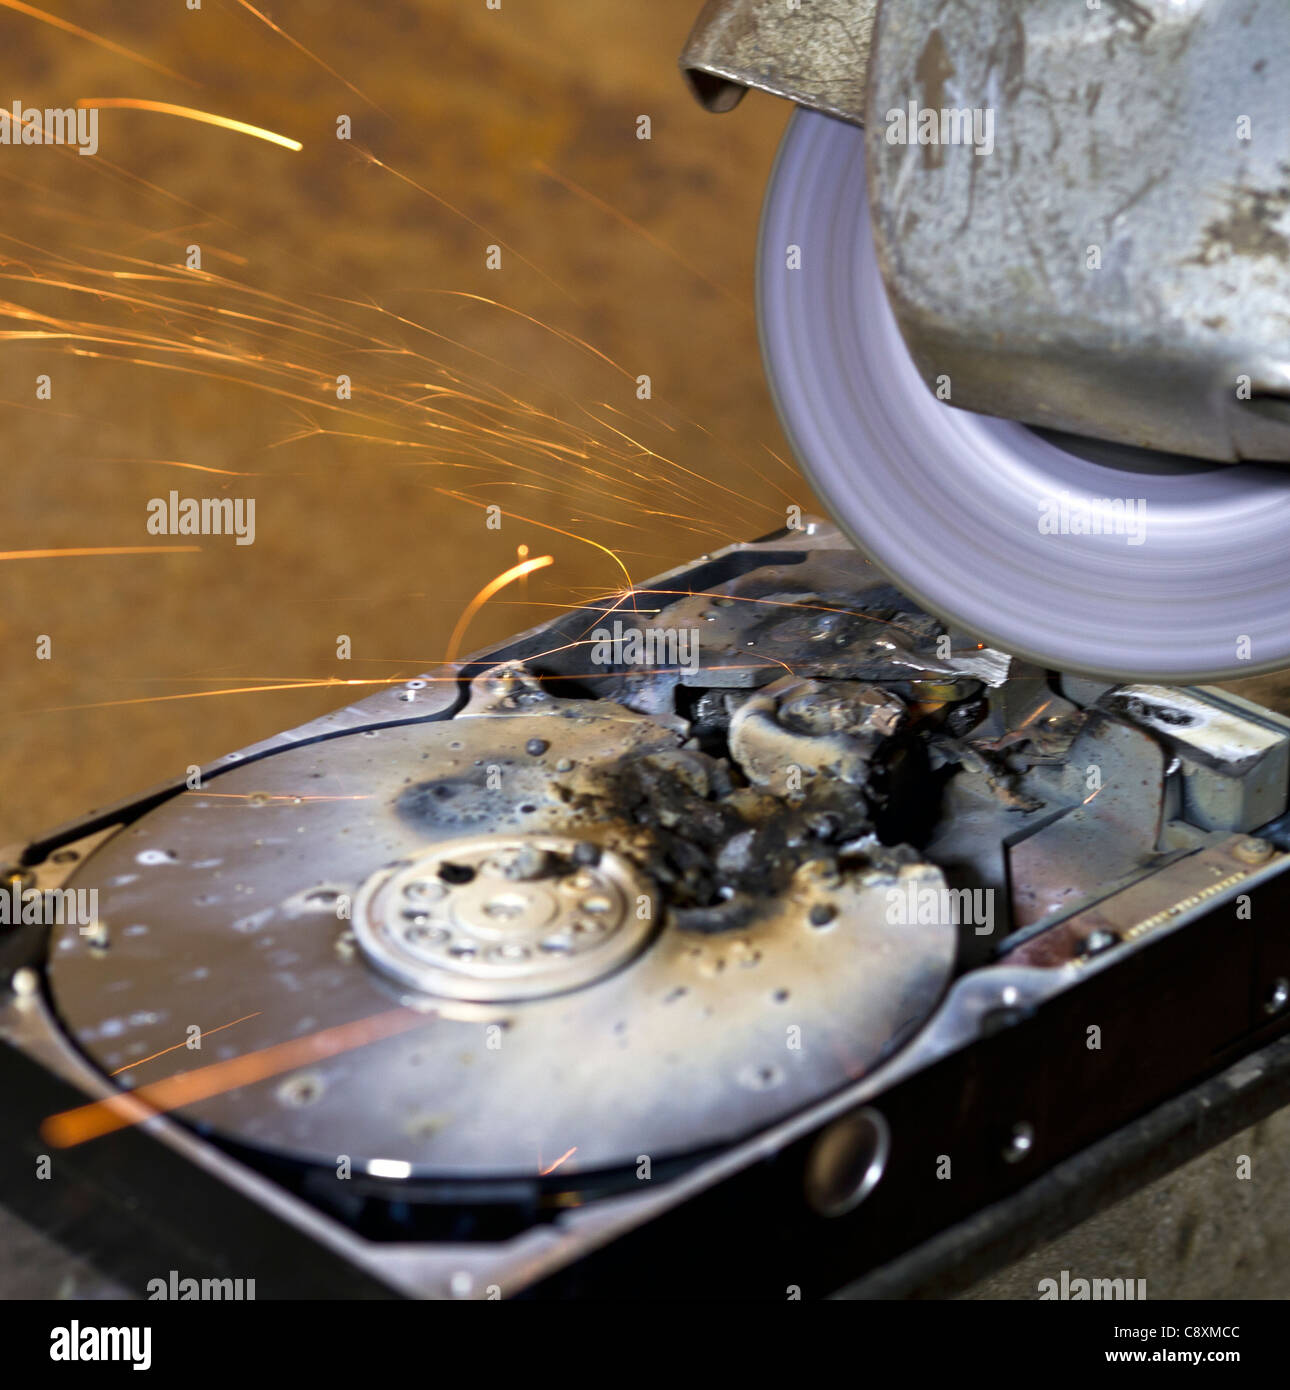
[847, 1162]
[1252, 851]
[1278, 997]
[96, 933]
[1099, 940]
[25, 982]
[1020, 1142]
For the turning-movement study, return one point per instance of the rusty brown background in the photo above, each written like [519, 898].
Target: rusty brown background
[495, 112]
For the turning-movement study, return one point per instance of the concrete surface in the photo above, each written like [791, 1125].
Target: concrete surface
[1201, 1232]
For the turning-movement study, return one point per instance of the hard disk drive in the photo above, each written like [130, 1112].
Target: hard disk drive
[785, 954]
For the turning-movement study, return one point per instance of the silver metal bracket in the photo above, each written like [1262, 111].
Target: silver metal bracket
[814, 53]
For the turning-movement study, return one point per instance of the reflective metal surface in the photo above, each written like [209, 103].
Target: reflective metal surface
[1107, 252]
[813, 53]
[505, 917]
[226, 911]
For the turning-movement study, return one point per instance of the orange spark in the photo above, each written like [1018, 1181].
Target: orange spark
[482, 597]
[657, 242]
[546, 526]
[313, 57]
[780, 603]
[465, 217]
[97, 550]
[208, 1033]
[229, 690]
[564, 1157]
[100, 1117]
[197, 467]
[68, 28]
[190, 113]
[290, 799]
